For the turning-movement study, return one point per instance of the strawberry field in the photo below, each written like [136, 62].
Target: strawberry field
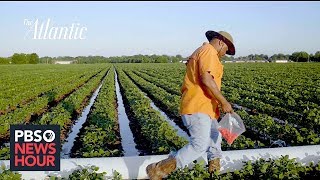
[279, 104]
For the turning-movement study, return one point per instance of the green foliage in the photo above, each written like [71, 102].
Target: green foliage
[87, 174]
[83, 173]
[4, 60]
[316, 57]
[279, 56]
[116, 175]
[299, 57]
[19, 58]
[282, 168]
[4, 153]
[197, 172]
[33, 58]
[161, 59]
[25, 58]
[6, 174]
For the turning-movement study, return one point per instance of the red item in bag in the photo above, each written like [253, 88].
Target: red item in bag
[228, 135]
[231, 126]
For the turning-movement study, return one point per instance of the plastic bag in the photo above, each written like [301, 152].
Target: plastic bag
[231, 126]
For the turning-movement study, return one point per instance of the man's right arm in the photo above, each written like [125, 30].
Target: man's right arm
[211, 85]
[207, 68]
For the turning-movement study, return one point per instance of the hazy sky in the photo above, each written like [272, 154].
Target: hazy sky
[128, 28]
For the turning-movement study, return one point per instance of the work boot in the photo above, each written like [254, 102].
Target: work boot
[162, 168]
[214, 165]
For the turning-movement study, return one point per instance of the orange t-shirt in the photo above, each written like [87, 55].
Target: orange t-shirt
[195, 97]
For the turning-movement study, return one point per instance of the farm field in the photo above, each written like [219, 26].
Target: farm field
[135, 108]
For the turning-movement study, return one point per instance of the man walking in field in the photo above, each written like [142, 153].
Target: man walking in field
[199, 106]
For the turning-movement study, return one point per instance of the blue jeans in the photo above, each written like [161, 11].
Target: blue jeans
[205, 138]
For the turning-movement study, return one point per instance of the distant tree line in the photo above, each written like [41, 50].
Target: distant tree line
[20, 58]
[115, 59]
[295, 57]
[146, 59]
[33, 58]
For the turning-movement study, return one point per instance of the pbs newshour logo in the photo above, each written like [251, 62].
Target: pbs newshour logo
[34, 147]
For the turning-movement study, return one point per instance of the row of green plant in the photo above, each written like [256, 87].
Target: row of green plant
[99, 136]
[72, 105]
[156, 134]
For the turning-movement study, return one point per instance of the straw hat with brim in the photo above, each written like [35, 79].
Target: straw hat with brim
[225, 37]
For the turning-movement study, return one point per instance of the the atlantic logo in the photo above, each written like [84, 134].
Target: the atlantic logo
[34, 148]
